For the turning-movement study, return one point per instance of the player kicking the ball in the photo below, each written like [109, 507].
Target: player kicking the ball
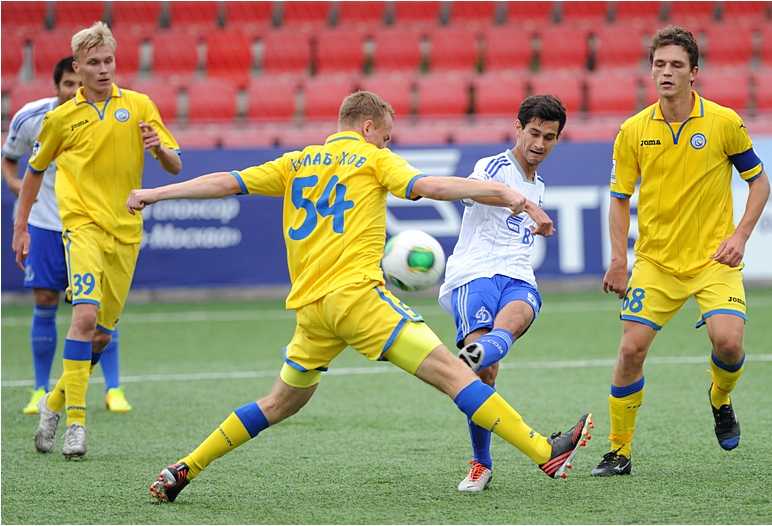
[489, 284]
[334, 228]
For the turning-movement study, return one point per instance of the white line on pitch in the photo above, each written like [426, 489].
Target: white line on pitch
[383, 369]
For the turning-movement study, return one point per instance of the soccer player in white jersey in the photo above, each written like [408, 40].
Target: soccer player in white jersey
[489, 285]
[45, 268]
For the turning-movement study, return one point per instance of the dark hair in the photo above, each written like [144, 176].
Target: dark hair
[63, 65]
[676, 36]
[544, 107]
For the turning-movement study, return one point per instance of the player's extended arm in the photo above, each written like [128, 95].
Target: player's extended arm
[615, 279]
[209, 186]
[11, 175]
[731, 251]
[454, 188]
[169, 159]
[30, 187]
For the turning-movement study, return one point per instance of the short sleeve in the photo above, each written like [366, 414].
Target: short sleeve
[478, 174]
[20, 138]
[268, 178]
[624, 166]
[48, 144]
[396, 174]
[739, 148]
[153, 118]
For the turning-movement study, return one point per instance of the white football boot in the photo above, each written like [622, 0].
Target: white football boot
[477, 479]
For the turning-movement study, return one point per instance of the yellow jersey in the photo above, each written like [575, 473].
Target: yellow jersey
[334, 212]
[685, 172]
[99, 158]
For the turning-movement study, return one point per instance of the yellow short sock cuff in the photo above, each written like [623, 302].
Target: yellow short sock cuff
[724, 378]
[624, 403]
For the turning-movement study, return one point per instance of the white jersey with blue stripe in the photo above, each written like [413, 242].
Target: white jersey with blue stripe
[22, 134]
[493, 241]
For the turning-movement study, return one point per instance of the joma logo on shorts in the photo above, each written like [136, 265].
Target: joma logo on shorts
[732, 299]
[78, 124]
[650, 142]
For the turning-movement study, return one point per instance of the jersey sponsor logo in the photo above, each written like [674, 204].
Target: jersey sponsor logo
[698, 141]
[482, 315]
[78, 124]
[651, 142]
[122, 115]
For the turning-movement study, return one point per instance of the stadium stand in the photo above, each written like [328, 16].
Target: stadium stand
[194, 16]
[453, 48]
[163, 93]
[48, 47]
[397, 48]
[278, 57]
[28, 91]
[202, 106]
[507, 47]
[24, 16]
[643, 13]
[139, 16]
[476, 13]
[12, 55]
[175, 52]
[371, 14]
[563, 47]
[71, 16]
[322, 95]
[395, 88]
[495, 93]
[416, 12]
[255, 17]
[566, 86]
[530, 13]
[728, 44]
[127, 56]
[229, 54]
[763, 91]
[310, 13]
[443, 94]
[339, 50]
[612, 92]
[272, 97]
[593, 13]
[618, 46]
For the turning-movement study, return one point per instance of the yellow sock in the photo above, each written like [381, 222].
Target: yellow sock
[622, 411]
[77, 365]
[496, 415]
[724, 378]
[240, 426]
[55, 400]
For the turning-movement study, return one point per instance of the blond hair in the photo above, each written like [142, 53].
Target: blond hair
[96, 35]
[363, 105]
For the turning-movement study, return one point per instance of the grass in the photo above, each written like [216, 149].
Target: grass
[377, 446]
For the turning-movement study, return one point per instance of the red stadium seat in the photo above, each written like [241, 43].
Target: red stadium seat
[563, 47]
[498, 93]
[302, 136]
[464, 12]
[175, 52]
[30, 15]
[728, 44]
[728, 87]
[620, 46]
[192, 15]
[397, 48]
[417, 12]
[566, 87]
[12, 54]
[763, 83]
[278, 57]
[507, 47]
[486, 131]
[426, 132]
[272, 97]
[211, 100]
[77, 15]
[756, 12]
[396, 89]
[163, 94]
[323, 95]
[228, 54]
[766, 45]
[340, 50]
[453, 48]
[49, 48]
[612, 93]
[443, 95]
[627, 11]
[589, 12]
[127, 53]
[248, 137]
[371, 13]
[593, 129]
[530, 12]
[197, 136]
[312, 13]
[25, 92]
[142, 16]
[701, 10]
[258, 14]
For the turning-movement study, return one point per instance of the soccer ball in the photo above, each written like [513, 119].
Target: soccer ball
[413, 260]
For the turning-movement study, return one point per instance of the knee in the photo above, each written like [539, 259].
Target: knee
[84, 322]
[631, 352]
[101, 340]
[46, 297]
[728, 348]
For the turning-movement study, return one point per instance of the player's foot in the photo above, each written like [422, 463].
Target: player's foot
[46, 432]
[613, 464]
[170, 482]
[727, 427]
[115, 401]
[477, 479]
[74, 447]
[32, 406]
[565, 446]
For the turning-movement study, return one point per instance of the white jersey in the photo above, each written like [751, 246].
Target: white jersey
[23, 132]
[493, 241]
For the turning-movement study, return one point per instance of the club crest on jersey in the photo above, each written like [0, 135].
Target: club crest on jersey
[513, 223]
[122, 115]
[698, 141]
[482, 315]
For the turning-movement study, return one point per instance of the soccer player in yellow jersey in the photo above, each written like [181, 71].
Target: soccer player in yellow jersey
[334, 229]
[682, 149]
[98, 141]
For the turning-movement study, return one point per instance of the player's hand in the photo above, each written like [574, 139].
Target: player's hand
[20, 245]
[615, 279]
[150, 139]
[139, 199]
[731, 251]
[544, 226]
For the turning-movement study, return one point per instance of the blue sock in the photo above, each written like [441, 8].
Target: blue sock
[110, 363]
[496, 345]
[43, 343]
[481, 444]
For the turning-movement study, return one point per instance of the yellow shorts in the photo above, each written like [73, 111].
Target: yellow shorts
[99, 271]
[653, 295]
[364, 316]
